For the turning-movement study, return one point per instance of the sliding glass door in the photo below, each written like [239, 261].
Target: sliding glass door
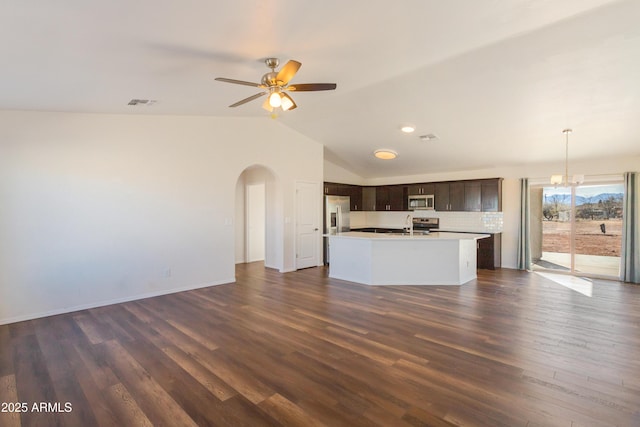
[598, 224]
[577, 229]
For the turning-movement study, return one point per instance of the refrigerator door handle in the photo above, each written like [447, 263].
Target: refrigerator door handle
[338, 219]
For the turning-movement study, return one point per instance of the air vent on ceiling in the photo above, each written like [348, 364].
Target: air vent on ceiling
[147, 102]
[428, 137]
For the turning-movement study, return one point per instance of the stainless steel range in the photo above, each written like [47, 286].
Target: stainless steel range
[425, 225]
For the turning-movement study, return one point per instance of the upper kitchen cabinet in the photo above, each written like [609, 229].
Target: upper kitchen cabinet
[456, 196]
[464, 196]
[391, 198]
[491, 194]
[449, 196]
[368, 198]
[331, 189]
[398, 200]
[469, 196]
[441, 200]
[355, 193]
[472, 196]
[335, 189]
[421, 189]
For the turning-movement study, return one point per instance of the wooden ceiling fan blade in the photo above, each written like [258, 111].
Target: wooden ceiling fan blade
[239, 82]
[287, 72]
[310, 87]
[251, 98]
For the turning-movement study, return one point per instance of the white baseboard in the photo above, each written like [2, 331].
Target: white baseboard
[31, 316]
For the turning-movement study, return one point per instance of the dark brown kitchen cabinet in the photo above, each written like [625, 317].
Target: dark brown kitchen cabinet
[469, 196]
[368, 198]
[449, 196]
[490, 252]
[344, 190]
[420, 189]
[398, 198]
[491, 190]
[382, 198]
[391, 198]
[441, 200]
[465, 196]
[456, 196]
[355, 193]
[472, 196]
[331, 189]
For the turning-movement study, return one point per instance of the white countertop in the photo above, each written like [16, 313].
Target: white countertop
[457, 230]
[416, 236]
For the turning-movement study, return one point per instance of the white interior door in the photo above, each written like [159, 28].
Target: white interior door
[255, 222]
[307, 224]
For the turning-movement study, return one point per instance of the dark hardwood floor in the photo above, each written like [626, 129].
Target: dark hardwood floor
[299, 349]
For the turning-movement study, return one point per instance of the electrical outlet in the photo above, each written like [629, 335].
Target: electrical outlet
[167, 272]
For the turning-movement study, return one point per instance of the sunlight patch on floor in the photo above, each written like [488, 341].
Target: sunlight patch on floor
[583, 286]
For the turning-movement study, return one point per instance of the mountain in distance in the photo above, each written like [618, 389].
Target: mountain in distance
[581, 200]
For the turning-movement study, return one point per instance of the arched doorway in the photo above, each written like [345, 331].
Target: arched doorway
[255, 224]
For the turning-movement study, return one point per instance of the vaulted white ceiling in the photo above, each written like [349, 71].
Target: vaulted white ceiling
[495, 80]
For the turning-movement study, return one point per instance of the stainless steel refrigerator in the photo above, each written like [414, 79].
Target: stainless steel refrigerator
[336, 218]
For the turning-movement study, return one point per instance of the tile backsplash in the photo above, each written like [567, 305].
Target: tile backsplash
[490, 222]
[479, 222]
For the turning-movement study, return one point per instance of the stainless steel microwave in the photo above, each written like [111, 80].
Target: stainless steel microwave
[421, 201]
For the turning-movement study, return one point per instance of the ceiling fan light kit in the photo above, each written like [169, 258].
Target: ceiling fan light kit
[275, 100]
[286, 102]
[275, 83]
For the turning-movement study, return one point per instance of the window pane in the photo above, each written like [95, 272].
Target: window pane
[598, 229]
[553, 251]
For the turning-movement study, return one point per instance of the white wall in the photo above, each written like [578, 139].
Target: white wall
[335, 173]
[510, 186]
[98, 208]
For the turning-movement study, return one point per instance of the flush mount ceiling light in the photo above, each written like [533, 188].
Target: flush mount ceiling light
[558, 179]
[407, 128]
[385, 154]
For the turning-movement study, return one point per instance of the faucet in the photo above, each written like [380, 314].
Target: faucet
[408, 224]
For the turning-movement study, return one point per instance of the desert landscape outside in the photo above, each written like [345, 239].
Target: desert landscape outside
[597, 222]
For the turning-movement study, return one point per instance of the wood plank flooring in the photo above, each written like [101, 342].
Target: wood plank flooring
[299, 349]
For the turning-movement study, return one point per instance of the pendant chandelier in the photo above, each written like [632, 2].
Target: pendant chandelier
[559, 179]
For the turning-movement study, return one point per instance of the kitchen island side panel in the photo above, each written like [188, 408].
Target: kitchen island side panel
[350, 259]
[468, 262]
[415, 262]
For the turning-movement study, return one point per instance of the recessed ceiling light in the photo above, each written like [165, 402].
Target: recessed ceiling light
[385, 154]
[407, 128]
[428, 137]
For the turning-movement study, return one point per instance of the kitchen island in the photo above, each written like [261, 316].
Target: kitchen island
[402, 259]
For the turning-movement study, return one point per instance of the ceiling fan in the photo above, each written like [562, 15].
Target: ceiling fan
[276, 84]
